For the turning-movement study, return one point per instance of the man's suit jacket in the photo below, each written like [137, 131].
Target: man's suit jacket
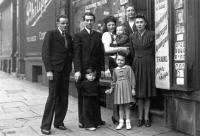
[88, 51]
[55, 55]
[128, 28]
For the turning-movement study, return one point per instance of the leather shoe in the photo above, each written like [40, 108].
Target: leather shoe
[147, 123]
[114, 120]
[45, 131]
[102, 123]
[80, 125]
[61, 127]
[140, 123]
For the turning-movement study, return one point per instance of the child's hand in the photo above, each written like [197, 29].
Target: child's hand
[133, 92]
[109, 91]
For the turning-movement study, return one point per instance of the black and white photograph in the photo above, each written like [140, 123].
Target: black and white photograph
[100, 67]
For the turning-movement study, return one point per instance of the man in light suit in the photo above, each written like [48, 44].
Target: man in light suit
[88, 50]
[57, 54]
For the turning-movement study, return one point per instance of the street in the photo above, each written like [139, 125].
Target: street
[22, 104]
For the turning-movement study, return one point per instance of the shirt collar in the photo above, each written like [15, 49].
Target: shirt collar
[88, 30]
[60, 31]
[141, 34]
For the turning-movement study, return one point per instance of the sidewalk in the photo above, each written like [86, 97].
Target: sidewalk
[22, 104]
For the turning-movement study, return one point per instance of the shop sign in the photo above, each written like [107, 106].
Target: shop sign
[180, 68]
[179, 51]
[162, 44]
[96, 4]
[123, 2]
[35, 10]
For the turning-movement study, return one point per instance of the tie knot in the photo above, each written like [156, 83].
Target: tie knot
[63, 33]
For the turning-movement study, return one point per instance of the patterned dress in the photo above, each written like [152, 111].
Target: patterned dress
[144, 63]
[123, 82]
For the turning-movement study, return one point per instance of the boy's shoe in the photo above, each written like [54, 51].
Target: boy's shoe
[121, 125]
[128, 124]
[91, 129]
[45, 131]
[102, 123]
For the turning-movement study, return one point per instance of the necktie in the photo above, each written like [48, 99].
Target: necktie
[65, 39]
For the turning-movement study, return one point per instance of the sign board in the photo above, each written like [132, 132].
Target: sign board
[39, 18]
[162, 44]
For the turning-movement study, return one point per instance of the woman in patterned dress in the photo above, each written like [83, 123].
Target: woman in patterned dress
[123, 87]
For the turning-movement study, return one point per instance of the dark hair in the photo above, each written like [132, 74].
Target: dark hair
[90, 69]
[60, 16]
[88, 14]
[129, 5]
[107, 20]
[139, 15]
[120, 53]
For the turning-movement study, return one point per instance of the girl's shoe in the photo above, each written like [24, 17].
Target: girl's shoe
[147, 123]
[128, 124]
[121, 125]
[91, 129]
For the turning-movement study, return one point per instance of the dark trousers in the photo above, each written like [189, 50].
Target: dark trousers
[57, 100]
[115, 116]
[91, 111]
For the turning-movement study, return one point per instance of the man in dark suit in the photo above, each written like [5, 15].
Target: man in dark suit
[88, 50]
[130, 23]
[57, 54]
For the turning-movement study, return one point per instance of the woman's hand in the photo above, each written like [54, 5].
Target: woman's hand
[133, 92]
[109, 91]
[124, 49]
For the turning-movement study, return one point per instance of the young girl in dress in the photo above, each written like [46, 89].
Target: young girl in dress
[123, 87]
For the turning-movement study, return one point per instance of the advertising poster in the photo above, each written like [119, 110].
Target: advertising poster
[162, 44]
[39, 18]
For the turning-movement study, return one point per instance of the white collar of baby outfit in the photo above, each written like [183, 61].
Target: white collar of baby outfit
[121, 67]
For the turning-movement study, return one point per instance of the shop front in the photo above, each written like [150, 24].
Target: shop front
[177, 59]
[177, 32]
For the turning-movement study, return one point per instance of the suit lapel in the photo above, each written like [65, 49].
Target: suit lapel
[59, 37]
[89, 38]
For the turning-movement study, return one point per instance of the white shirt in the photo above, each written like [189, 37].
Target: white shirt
[131, 23]
[107, 40]
[88, 30]
[60, 31]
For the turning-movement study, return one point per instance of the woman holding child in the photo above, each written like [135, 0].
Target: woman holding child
[111, 48]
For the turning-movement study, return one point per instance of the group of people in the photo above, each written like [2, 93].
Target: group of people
[130, 50]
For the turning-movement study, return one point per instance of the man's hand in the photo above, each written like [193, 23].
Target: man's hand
[50, 75]
[77, 76]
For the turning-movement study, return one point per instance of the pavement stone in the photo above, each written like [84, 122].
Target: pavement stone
[17, 115]
[25, 131]
[12, 123]
[22, 106]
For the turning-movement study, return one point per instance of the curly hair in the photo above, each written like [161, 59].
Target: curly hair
[107, 20]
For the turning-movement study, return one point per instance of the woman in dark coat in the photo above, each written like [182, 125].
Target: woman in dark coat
[144, 66]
